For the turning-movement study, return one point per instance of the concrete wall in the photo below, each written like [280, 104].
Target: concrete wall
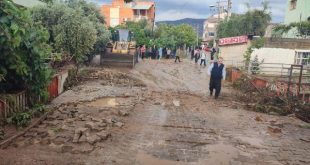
[287, 43]
[279, 58]
[233, 54]
[62, 77]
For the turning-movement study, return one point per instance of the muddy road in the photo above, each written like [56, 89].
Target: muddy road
[158, 114]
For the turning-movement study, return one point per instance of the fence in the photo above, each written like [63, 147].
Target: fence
[282, 78]
[11, 103]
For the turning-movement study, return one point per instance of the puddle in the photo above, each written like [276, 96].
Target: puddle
[104, 102]
[143, 158]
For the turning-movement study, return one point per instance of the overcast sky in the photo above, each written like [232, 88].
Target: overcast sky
[178, 9]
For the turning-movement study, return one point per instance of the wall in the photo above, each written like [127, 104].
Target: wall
[62, 77]
[287, 43]
[233, 54]
[279, 58]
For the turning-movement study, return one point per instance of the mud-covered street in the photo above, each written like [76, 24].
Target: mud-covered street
[159, 113]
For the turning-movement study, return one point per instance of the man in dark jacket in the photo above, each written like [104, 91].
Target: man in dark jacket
[217, 72]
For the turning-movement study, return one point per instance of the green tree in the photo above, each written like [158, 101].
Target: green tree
[253, 22]
[76, 36]
[23, 47]
[302, 29]
[173, 36]
[76, 28]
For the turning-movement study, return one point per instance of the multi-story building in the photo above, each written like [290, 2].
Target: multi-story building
[297, 10]
[119, 12]
[209, 27]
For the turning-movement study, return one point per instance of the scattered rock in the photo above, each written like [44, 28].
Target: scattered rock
[85, 148]
[103, 125]
[274, 130]
[56, 148]
[93, 139]
[103, 135]
[305, 140]
[157, 103]
[176, 103]
[78, 133]
[96, 119]
[66, 148]
[90, 125]
[45, 141]
[82, 139]
[258, 119]
[123, 113]
[119, 124]
[127, 94]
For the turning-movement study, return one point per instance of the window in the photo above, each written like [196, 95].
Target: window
[211, 34]
[302, 58]
[293, 4]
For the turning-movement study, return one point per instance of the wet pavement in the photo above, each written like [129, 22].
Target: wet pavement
[171, 121]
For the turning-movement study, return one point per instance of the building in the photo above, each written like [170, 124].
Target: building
[297, 10]
[209, 27]
[28, 3]
[119, 12]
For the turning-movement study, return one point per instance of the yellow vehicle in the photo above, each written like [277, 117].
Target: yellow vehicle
[122, 51]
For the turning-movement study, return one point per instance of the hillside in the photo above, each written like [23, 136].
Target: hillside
[190, 21]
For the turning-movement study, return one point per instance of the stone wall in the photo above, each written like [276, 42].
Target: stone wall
[287, 43]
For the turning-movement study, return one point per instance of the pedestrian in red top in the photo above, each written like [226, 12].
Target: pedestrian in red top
[142, 51]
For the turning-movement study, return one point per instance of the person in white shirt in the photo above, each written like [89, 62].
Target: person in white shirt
[203, 57]
[217, 72]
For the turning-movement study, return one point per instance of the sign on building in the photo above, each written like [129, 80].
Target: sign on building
[233, 40]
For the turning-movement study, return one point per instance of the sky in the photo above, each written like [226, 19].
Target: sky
[179, 9]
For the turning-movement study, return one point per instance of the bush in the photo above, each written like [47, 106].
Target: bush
[20, 119]
[23, 47]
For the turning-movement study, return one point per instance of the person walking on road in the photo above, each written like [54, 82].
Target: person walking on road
[197, 55]
[160, 53]
[142, 51]
[217, 72]
[203, 57]
[168, 53]
[177, 55]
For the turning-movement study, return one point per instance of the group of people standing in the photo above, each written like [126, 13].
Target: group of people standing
[205, 54]
[154, 52]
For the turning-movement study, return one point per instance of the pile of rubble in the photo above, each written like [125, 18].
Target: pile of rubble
[266, 101]
[76, 128]
[113, 78]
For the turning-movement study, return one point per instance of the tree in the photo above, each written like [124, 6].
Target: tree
[253, 22]
[302, 29]
[175, 36]
[23, 47]
[76, 28]
[76, 36]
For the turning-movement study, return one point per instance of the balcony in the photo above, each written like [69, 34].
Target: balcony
[139, 17]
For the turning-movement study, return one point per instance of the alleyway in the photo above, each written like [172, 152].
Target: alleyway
[158, 114]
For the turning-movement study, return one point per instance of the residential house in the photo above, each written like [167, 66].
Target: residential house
[290, 48]
[209, 27]
[296, 11]
[119, 12]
